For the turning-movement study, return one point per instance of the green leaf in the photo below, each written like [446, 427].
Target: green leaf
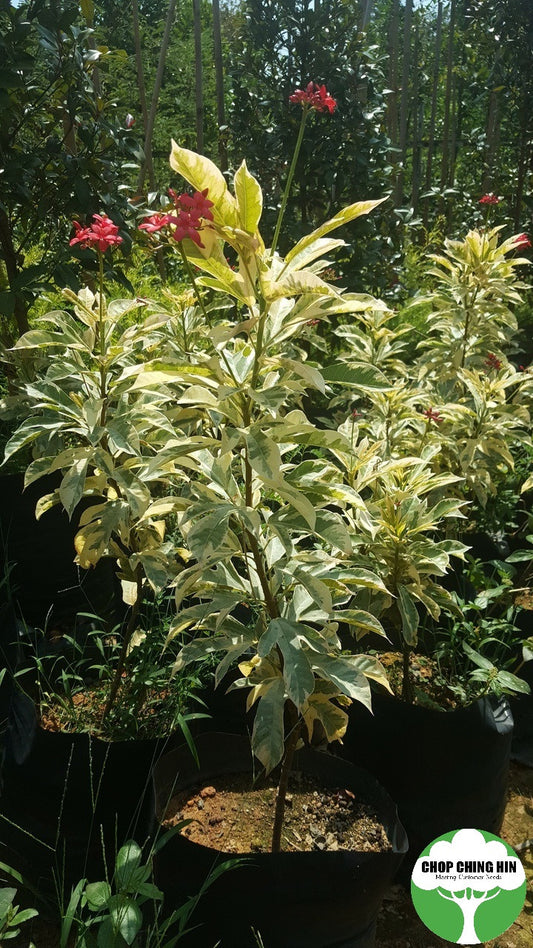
[332, 718]
[128, 859]
[347, 214]
[409, 614]
[318, 249]
[268, 733]
[24, 916]
[372, 668]
[514, 683]
[208, 533]
[97, 895]
[298, 500]
[249, 199]
[478, 659]
[264, 456]
[361, 620]
[297, 673]
[6, 900]
[70, 914]
[126, 918]
[227, 280]
[297, 283]
[317, 589]
[527, 649]
[358, 375]
[72, 485]
[346, 675]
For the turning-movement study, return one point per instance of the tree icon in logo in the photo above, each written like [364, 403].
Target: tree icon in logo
[468, 886]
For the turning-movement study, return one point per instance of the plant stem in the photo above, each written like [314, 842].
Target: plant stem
[286, 767]
[201, 303]
[292, 169]
[132, 622]
[102, 339]
[407, 691]
[190, 274]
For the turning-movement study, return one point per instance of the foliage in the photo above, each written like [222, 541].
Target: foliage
[61, 146]
[70, 679]
[110, 915]
[11, 917]
[272, 51]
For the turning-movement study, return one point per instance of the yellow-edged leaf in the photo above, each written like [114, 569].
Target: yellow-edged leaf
[249, 199]
[202, 173]
[347, 214]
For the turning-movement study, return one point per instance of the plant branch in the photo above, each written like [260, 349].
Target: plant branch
[286, 767]
[292, 169]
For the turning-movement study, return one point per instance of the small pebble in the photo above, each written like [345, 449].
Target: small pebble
[208, 792]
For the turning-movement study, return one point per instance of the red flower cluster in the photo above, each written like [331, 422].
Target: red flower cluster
[432, 415]
[192, 211]
[492, 362]
[314, 97]
[154, 223]
[489, 199]
[521, 241]
[102, 233]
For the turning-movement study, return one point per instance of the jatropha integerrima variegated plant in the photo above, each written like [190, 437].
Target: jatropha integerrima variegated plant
[88, 417]
[252, 532]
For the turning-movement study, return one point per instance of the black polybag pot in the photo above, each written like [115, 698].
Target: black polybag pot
[293, 899]
[9, 660]
[522, 711]
[62, 793]
[44, 580]
[446, 770]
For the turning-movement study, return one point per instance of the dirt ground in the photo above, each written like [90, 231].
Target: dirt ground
[398, 923]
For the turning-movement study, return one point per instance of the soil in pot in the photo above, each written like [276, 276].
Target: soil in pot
[323, 897]
[233, 816]
[63, 793]
[446, 769]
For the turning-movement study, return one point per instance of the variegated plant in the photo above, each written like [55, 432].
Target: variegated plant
[89, 418]
[263, 521]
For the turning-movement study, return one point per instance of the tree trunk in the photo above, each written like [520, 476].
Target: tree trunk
[492, 140]
[404, 102]
[418, 117]
[219, 85]
[20, 310]
[141, 86]
[434, 98]
[448, 97]
[199, 79]
[522, 166]
[155, 94]
[392, 111]
[367, 13]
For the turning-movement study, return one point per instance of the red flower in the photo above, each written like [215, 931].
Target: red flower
[432, 415]
[521, 241]
[192, 211]
[198, 205]
[186, 225]
[489, 199]
[314, 97]
[492, 362]
[154, 223]
[102, 233]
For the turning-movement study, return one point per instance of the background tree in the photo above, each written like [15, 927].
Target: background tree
[62, 147]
